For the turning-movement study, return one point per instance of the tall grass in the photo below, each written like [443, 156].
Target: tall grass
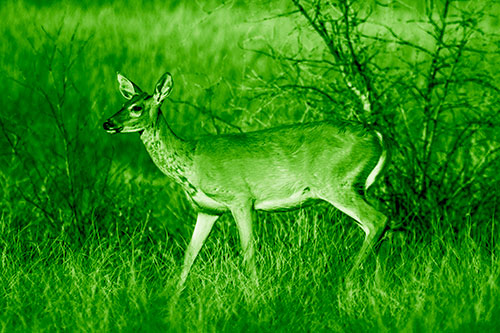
[92, 235]
[124, 280]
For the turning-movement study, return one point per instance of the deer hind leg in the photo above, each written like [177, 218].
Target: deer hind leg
[368, 218]
[244, 215]
[204, 224]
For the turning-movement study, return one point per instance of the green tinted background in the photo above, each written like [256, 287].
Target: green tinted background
[92, 235]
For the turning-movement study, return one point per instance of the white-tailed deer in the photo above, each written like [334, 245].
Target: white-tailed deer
[273, 169]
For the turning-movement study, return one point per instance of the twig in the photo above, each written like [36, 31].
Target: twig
[197, 107]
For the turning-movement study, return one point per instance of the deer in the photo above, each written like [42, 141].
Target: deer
[274, 169]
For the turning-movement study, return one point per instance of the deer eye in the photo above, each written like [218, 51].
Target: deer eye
[136, 111]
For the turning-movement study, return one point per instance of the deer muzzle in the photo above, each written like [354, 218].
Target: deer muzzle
[111, 128]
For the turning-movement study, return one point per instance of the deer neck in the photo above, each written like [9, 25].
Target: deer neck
[171, 154]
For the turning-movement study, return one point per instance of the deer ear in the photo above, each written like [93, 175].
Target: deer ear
[127, 88]
[163, 88]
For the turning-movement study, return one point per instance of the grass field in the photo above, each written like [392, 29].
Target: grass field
[92, 235]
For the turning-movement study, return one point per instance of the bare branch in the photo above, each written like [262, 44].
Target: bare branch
[310, 88]
[204, 110]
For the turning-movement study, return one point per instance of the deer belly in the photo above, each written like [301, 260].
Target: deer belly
[277, 202]
[294, 200]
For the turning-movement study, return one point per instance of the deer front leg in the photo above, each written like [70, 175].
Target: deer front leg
[244, 215]
[204, 224]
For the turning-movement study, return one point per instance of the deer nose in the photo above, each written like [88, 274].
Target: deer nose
[107, 125]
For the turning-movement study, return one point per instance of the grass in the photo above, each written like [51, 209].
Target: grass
[123, 282]
[105, 254]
